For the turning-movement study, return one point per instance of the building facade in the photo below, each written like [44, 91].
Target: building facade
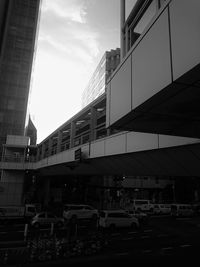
[97, 84]
[18, 31]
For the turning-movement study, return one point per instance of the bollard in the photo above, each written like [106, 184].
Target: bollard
[52, 228]
[76, 231]
[5, 260]
[25, 231]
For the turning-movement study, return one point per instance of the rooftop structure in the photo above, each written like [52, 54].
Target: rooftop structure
[104, 70]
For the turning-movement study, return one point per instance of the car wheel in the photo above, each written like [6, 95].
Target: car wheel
[60, 224]
[94, 217]
[112, 226]
[134, 226]
[36, 225]
[73, 219]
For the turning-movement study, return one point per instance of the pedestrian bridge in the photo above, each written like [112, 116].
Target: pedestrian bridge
[127, 153]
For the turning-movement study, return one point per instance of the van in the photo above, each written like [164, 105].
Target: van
[181, 210]
[142, 205]
[162, 209]
[117, 218]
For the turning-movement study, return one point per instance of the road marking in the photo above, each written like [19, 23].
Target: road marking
[148, 230]
[122, 253]
[147, 251]
[162, 235]
[132, 232]
[167, 248]
[115, 234]
[128, 238]
[145, 236]
[3, 232]
[185, 246]
[13, 248]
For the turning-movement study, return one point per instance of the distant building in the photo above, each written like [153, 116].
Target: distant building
[18, 30]
[31, 132]
[97, 83]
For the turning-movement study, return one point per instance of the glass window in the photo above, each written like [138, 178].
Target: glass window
[161, 2]
[50, 215]
[11, 104]
[146, 18]
[31, 209]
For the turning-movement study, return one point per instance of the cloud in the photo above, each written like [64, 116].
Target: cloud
[64, 30]
[70, 9]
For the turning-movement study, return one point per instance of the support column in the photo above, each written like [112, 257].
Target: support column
[46, 191]
[72, 133]
[93, 123]
[122, 22]
[59, 141]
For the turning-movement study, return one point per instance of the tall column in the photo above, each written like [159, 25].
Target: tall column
[122, 22]
[59, 142]
[46, 191]
[93, 123]
[72, 133]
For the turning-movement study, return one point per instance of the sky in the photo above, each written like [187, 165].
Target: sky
[72, 38]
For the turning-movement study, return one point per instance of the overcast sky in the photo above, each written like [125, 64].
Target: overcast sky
[73, 36]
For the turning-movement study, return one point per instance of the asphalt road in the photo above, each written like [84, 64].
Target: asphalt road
[163, 240]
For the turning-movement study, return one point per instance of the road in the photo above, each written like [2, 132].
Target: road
[163, 240]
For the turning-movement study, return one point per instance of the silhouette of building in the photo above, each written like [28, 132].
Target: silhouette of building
[18, 31]
[31, 132]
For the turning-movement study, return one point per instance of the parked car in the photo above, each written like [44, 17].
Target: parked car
[144, 205]
[46, 218]
[162, 208]
[181, 210]
[142, 217]
[117, 218]
[79, 211]
[196, 209]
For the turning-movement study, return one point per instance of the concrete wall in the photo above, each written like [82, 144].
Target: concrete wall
[11, 188]
[168, 48]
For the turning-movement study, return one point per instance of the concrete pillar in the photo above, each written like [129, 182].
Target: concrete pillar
[72, 133]
[59, 141]
[43, 150]
[93, 123]
[122, 22]
[50, 142]
[46, 191]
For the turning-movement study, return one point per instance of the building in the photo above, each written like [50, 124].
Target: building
[31, 132]
[157, 83]
[141, 133]
[18, 31]
[97, 84]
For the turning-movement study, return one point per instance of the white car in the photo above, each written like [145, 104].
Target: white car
[182, 210]
[80, 211]
[46, 218]
[117, 218]
[162, 209]
[144, 205]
